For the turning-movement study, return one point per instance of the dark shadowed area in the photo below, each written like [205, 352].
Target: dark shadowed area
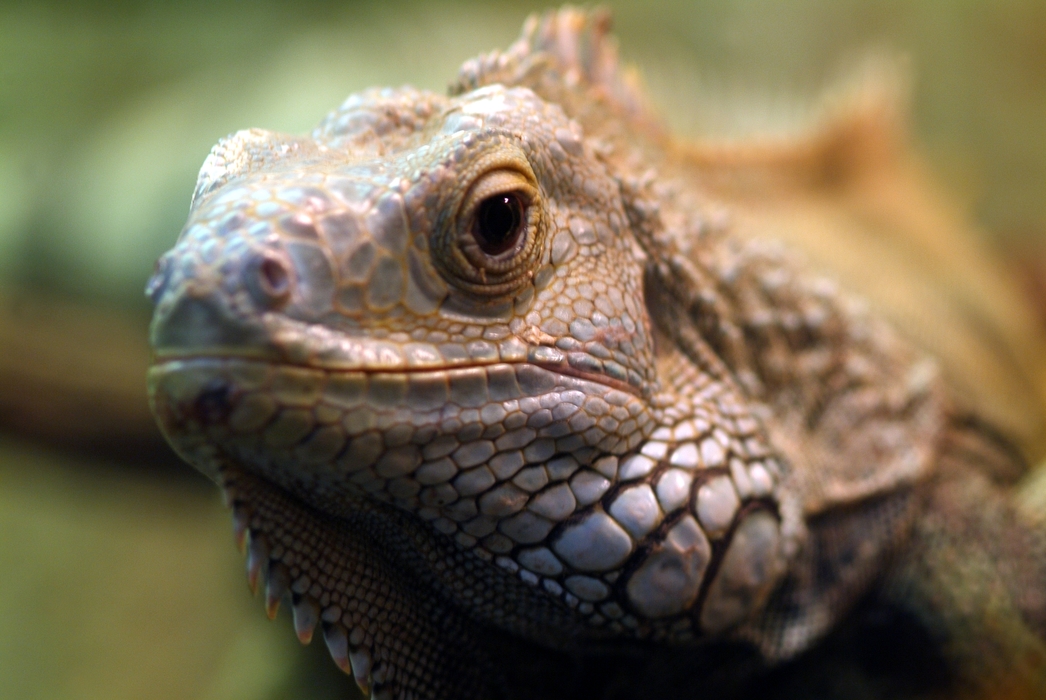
[120, 576]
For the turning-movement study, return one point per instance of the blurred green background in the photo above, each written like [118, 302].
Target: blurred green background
[119, 577]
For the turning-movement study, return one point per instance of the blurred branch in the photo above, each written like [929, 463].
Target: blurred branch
[74, 375]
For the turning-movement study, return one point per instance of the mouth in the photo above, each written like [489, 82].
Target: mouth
[380, 360]
[313, 347]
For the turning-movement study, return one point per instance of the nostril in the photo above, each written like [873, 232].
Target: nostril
[269, 280]
[157, 283]
[274, 277]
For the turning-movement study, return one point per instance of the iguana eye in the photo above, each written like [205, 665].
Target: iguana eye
[498, 224]
[497, 213]
[495, 241]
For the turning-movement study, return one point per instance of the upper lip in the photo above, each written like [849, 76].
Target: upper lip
[562, 367]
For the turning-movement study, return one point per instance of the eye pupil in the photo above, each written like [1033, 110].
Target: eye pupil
[499, 223]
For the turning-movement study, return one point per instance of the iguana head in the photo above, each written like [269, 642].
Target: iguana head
[438, 303]
[419, 266]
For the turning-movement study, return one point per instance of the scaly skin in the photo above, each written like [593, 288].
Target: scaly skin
[606, 424]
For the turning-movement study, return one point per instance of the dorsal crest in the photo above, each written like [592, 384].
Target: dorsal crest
[569, 56]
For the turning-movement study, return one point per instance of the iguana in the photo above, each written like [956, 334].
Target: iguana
[510, 397]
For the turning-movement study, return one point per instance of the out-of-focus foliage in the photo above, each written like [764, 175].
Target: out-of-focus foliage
[119, 577]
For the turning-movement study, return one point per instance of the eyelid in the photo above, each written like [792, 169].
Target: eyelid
[499, 182]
